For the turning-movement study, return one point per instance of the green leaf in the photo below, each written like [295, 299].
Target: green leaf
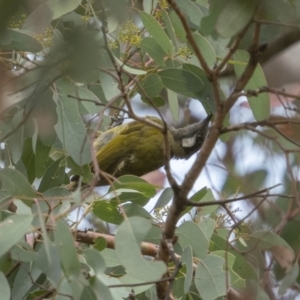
[16, 184]
[151, 86]
[177, 25]
[191, 11]
[173, 104]
[54, 176]
[70, 128]
[235, 15]
[289, 279]
[260, 105]
[149, 5]
[156, 31]
[154, 50]
[210, 279]
[135, 183]
[128, 69]
[28, 158]
[181, 81]
[60, 8]
[34, 22]
[126, 194]
[18, 40]
[107, 212]
[23, 252]
[4, 287]
[133, 209]
[206, 49]
[128, 237]
[100, 243]
[190, 234]
[157, 101]
[242, 265]
[109, 84]
[269, 241]
[207, 226]
[203, 195]
[187, 260]
[198, 196]
[24, 280]
[97, 263]
[41, 157]
[83, 171]
[52, 267]
[13, 229]
[164, 198]
[5, 199]
[90, 107]
[66, 249]
[16, 141]
[236, 281]
[110, 257]
[169, 29]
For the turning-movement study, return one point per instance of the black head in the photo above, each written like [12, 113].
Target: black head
[189, 139]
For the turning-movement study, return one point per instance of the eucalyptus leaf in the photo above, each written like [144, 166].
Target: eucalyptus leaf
[154, 50]
[187, 260]
[235, 15]
[181, 81]
[66, 250]
[16, 184]
[156, 31]
[60, 8]
[107, 212]
[151, 86]
[53, 177]
[210, 279]
[128, 237]
[70, 128]
[260, 105]
[4, 287]
[13, 229]
[190, 234]
[191, 11]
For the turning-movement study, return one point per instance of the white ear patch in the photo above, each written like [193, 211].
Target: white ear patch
[189, 142]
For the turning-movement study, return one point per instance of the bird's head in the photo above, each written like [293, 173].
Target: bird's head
[188, 140]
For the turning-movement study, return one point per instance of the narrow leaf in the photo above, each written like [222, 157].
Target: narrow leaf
[260, 105]
[66, 249]
[187, 260]
[191, 11]
[70, 128]
[156, 31]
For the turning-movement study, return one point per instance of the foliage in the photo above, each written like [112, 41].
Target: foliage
[67, 71]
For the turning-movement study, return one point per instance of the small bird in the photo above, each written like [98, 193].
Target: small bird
[136, 148]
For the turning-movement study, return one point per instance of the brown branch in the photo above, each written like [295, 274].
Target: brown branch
[223, 202]
[267, 89]
[89, 237]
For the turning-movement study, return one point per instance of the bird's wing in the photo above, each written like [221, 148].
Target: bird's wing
[114, 148]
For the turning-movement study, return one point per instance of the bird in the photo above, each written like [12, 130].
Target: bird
[137, 148]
